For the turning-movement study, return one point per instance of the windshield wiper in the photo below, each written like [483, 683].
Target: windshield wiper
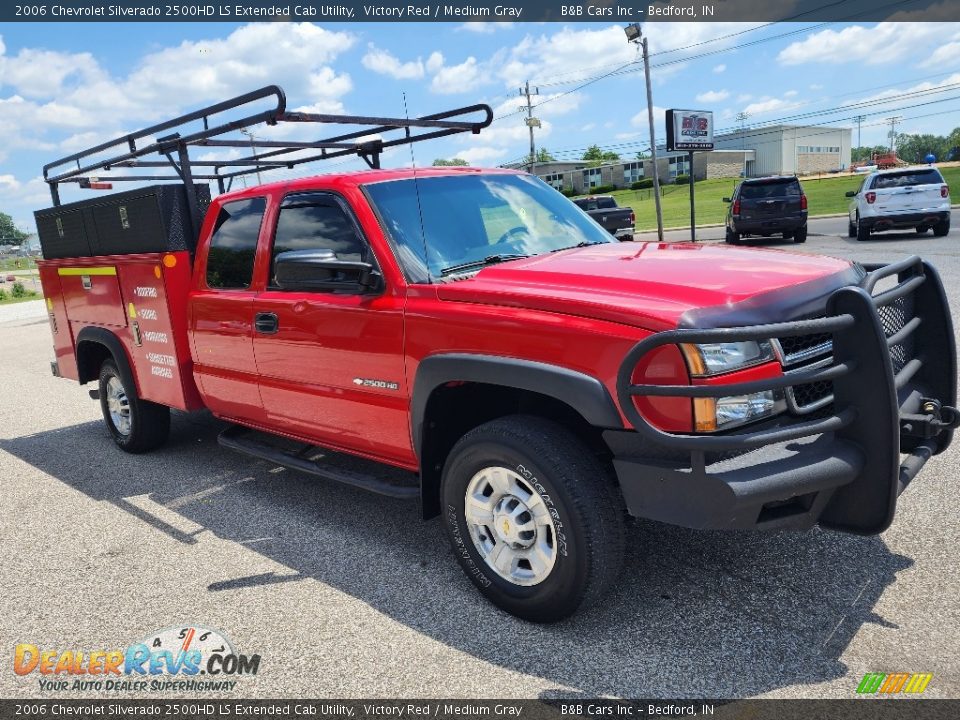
[582, 243]
[475, 264]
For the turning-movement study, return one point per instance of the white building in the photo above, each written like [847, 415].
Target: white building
[791, 149]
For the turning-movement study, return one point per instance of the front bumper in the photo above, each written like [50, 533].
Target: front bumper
[905, 220]
[843, 469]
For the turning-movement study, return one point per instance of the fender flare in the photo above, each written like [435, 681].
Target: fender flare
[585, 394]
[102, 336]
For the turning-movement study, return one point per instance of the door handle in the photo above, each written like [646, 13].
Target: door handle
[266, 323]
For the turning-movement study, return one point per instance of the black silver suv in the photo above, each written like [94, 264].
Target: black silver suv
[766, 207]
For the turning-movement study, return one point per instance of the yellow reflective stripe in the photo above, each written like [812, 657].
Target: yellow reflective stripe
[73, 271]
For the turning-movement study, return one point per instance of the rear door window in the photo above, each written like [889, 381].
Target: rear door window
[233, 246]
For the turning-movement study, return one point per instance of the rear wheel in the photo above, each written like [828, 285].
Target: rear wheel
[851, 229]
[136, 425]
[921, 229]
[732, 237]
[800, 235]
[941, 228]
[534, 518]
[863, 232]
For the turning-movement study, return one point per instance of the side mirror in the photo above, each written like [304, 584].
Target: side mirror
[726, 200]
[321, 270]
[851, 193]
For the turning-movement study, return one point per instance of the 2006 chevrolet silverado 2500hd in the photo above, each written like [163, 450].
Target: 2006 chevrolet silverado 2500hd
[493, 352]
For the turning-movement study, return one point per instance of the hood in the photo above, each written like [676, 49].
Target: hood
[660, 286]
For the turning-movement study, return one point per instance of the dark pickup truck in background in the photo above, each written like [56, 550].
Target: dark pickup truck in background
[614, 219]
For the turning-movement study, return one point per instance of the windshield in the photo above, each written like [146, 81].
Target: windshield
[468, 218]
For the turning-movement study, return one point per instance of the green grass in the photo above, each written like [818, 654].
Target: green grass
[824, 197]
[11, 264]
[8, 300]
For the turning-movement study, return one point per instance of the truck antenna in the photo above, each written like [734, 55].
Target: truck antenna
[416, 186]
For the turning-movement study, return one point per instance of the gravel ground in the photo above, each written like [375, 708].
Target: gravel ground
[345, 594]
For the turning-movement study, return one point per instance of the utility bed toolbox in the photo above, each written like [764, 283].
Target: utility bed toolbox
[146, 220]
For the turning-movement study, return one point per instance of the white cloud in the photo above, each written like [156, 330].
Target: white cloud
[383, 63]
[769, 104]
[815, 87]
[790, 93]
[947, 54]
[482, 155]
[434, 62]
[458, 78]
[485, 27]
[9, 182]
[588, 127]
[885, 42]
[713, 96]
[895, 95]
[744, 97]
[719, 68]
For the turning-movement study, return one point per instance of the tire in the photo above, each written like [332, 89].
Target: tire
[535, 463]
[732, 237]
[921, 229]
[800, 236]
[941, 228]
[851, 230]
[863, 232]
[136, 425]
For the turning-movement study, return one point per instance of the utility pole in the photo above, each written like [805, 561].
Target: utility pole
[532, 122]
[742, 118]
[859, 119]
[253, 149]
[894, 121]
[635, 35]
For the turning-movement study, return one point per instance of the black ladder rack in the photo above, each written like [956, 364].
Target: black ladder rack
[174, 147]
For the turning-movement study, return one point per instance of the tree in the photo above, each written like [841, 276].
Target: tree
[863, 154]
[596, 157]
[455, 162]
[10, 234]
[914, 148]
[641, 155]
[543, 156]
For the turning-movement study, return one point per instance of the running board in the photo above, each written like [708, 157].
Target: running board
[389, 481]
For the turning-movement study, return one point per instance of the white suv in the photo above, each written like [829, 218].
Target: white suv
[900, 198]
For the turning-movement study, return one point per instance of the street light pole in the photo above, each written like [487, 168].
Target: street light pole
[635, 35]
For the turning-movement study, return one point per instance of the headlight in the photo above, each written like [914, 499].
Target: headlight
[715, 358]
[712, 414]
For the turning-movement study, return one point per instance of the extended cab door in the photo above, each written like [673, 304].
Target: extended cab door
[221, 312]
[330, 362]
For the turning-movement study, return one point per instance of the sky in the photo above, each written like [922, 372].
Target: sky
[65, 87]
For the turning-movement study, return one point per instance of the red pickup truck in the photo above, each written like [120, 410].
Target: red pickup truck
[486, 348]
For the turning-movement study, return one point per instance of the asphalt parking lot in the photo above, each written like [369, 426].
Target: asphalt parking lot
[346, 594]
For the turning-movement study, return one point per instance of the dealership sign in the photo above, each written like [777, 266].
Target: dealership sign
[689, 130]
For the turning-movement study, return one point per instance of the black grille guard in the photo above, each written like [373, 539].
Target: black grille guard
[880, 412]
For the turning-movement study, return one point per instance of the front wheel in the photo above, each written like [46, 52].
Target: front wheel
[136, 425]
[534, 518]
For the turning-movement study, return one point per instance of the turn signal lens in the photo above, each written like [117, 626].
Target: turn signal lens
[712, 414]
